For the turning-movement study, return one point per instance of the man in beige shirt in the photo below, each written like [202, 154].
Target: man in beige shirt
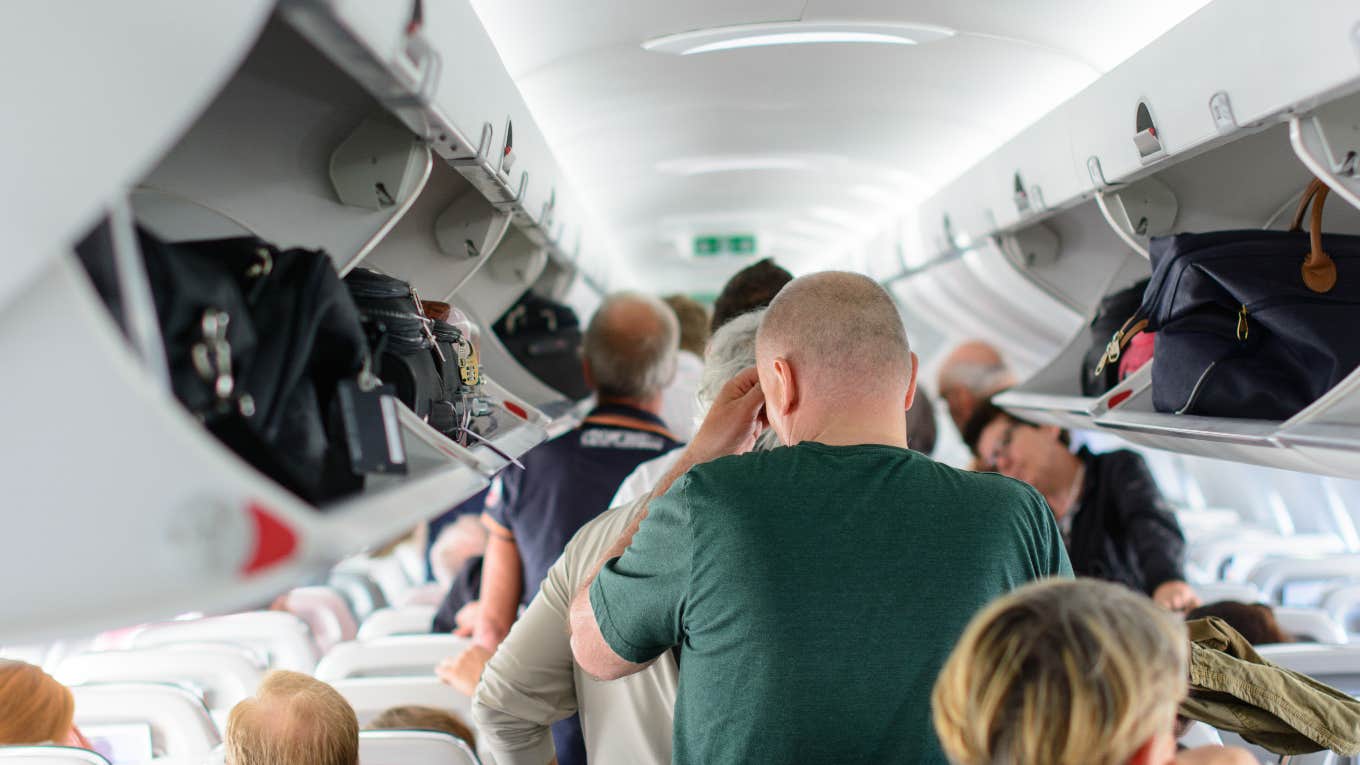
[533, 681]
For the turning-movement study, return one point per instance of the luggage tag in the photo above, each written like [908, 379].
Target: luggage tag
[372, 428]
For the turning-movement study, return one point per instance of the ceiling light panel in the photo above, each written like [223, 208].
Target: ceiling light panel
[795, 33]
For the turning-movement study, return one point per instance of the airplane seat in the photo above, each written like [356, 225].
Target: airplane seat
[49, 755]
[413, 563]
[179, 721]
[1213, 592]
[431, 594]
[282, 637]
[371, 696]
[412, 747]
[1200, 734]
[1311, 624]
[1342, 603]
[1231, 557]
[325, 611]
[1303, 581]
[222, 674]
[395, 656]
[359, 589]
[387, 571]
[406, 620]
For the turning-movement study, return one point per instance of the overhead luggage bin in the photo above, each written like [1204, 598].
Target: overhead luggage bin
[1228, 155]
[278, 152]
[145, 91]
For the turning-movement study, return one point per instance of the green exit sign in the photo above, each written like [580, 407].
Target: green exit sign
[730, 244]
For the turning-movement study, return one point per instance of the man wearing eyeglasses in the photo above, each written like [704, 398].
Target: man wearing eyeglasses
[1113, 518]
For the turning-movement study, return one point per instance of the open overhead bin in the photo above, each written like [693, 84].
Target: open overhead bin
[1227, 143]
[340, 139]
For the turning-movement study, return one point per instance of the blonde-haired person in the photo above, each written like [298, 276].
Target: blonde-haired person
[1068, 673]
[293, 719]
[35, 708]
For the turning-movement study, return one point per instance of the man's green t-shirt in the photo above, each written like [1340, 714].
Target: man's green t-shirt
[816, 592]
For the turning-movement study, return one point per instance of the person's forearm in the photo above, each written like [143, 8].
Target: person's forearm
[502, 587]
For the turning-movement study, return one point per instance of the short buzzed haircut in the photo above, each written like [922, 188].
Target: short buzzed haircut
[752, 288]
[630, 346]
[693, 318]
[841, 330]
[293, 719]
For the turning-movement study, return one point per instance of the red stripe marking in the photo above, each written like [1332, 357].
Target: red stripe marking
[515, 409]
[1120, 398]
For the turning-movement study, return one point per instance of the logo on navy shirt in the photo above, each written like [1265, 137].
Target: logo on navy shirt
[614, 438]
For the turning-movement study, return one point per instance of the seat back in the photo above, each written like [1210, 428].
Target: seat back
[1311, 624]
[431, 594]
[397, 656]
[1230, 557]
[180, 723]
[360, 590]
[412, 747]
[371, 696]
[1303, 581]
[1335, 665]
[283, 637]
[406, 620]
[387, 571]
[1200, 734]
[1241, 592]
[223, 673]
[1342, 603]
[326, 613]
[49, 755]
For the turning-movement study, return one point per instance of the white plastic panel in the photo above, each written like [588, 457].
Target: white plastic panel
[87, 111]
[260, 154]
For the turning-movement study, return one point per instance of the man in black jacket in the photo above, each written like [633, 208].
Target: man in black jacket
[1114, 520]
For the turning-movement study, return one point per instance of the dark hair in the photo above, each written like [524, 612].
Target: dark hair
[921, 424]
[749, 289]
[1254, 621]
[413, 717]
[986, 414]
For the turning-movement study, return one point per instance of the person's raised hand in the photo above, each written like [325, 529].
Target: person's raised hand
[734, 421]
[464, 671]
[1176, 596]
[465, 621]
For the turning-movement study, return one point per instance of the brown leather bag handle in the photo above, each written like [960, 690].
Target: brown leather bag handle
[1318, 270]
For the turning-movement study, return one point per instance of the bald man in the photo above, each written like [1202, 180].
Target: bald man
[970, 374]
[816, 589]
[628, 355]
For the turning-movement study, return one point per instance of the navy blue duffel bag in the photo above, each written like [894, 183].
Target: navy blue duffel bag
[1252, 323]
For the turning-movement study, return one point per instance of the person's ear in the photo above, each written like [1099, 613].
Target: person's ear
[786, 392]
[911, 382]
[1144, 754]
[585, 372]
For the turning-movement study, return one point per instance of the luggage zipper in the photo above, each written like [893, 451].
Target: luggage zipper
[1194, 393]
[1242, 329]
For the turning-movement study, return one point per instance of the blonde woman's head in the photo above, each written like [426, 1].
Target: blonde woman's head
[1063, 673]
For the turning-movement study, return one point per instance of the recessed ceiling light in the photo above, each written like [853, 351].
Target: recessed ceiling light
[795, 33]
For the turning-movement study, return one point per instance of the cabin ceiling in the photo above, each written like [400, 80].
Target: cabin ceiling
[856, 133]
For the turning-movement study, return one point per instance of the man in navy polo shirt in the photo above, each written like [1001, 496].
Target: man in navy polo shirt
[629, 352]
